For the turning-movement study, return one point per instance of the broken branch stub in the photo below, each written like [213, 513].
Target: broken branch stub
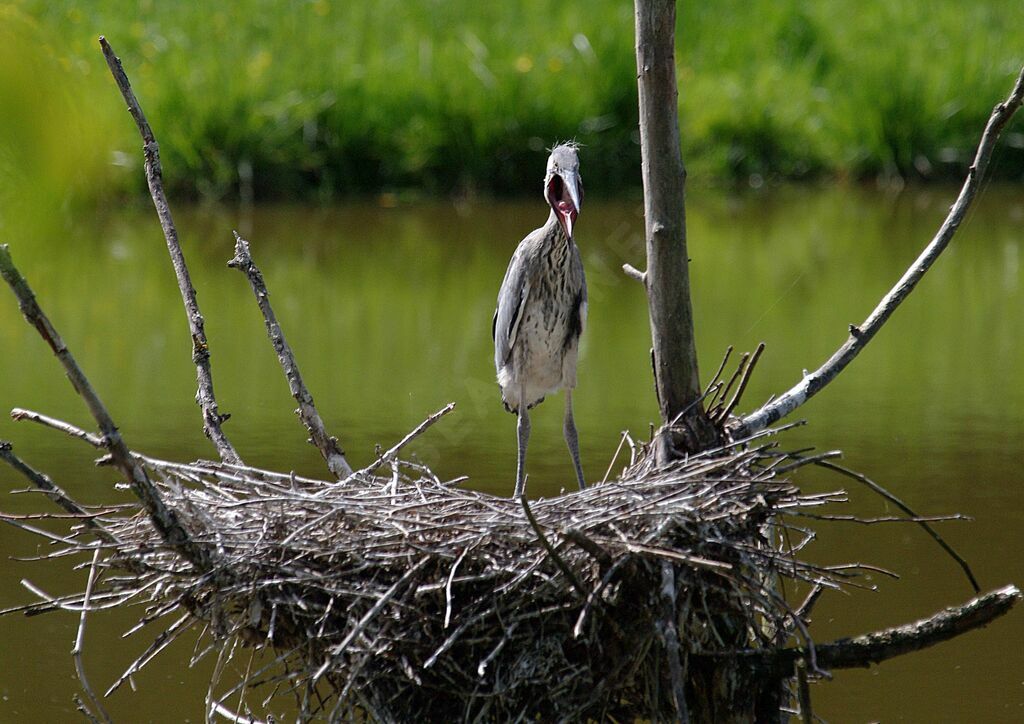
[861, 334]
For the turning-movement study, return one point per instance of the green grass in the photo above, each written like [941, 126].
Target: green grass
[332, 98]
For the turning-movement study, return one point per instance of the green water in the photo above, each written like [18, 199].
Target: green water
[389, 311]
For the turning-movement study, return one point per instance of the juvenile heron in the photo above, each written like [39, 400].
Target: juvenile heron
[542, 307]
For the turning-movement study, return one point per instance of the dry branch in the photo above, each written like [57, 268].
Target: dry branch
[670, 641]
[212, 417]
[860, 335]
[391, 454]
[876, 647]
[863, 479]
[54, 492]
[76, 652]
[873, 648]
[19, 415]
[318, 436]
[166, 519]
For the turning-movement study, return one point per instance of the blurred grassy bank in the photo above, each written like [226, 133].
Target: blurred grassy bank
[309, 97]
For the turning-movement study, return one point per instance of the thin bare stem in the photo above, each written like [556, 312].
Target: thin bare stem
[54, 492]
[18, 414]
[76, 652]
[723, 392]
[392, 452]
[860, 335]
[212, 418]
[744, 379]
[615, 456]
[718, 372]
[804, 693]
[318, 436]
[562, 565]
[864, 480]
[670, 640]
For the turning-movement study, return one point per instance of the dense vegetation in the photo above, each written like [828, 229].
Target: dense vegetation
[309, 97]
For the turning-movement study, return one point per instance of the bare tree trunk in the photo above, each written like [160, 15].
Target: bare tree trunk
[667, 280]
[725, 692]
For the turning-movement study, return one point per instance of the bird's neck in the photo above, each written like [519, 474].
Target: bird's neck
[553, 231]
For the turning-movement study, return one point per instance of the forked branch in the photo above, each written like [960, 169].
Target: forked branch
[860, 335]
[318, 436]
[212, 418]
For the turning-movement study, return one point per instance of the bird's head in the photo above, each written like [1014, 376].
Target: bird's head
[563, 188]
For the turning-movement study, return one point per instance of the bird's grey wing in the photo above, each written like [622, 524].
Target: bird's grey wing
[515, 289]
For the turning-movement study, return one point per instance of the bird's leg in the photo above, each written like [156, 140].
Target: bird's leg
[523, 434]
[571, 439]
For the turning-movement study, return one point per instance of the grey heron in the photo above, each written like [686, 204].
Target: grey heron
[541, 311]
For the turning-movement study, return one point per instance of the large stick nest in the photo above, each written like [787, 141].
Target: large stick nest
[409, 598]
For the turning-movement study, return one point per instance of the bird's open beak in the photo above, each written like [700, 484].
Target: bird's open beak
[563, 194]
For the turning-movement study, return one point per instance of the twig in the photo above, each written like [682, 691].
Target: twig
[54, 492]
[718, 372]
[18, 415]
[885, 518]
[448, 598]
[325, 443]
[744, 379]
[84, 710]
[392, 452]
[212, 418]
[562, 565]
[76, 652]
[804, 460]
[615, 456]
[217, 708]
[339, 650]
[165, 519]
[803, 611]
[670, 640]
[860, 335]
[481, 668]
[162, 641]
[804, 693]
[863, 479]
[737, 373]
